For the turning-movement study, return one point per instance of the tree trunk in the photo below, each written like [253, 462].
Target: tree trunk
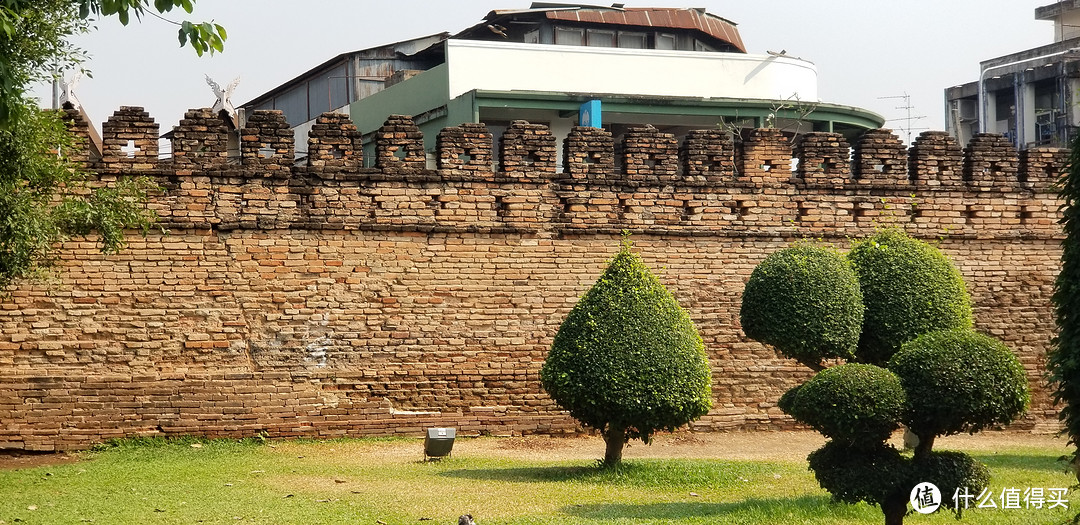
[894, 509]
[615, 437]
[926, 444]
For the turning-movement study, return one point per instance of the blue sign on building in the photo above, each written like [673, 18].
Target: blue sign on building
[589, 114]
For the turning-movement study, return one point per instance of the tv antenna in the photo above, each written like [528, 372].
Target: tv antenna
[908, 120]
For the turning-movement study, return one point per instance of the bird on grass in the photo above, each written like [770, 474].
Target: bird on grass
[466, 519]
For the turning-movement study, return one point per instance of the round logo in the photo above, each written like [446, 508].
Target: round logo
[925, 498]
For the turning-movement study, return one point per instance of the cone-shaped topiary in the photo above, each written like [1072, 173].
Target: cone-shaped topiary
[855, 404]
[627, 360]
[909, 288]
[959, 381]
[805, 301]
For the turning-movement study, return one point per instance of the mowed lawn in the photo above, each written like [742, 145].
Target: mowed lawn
[497, 480]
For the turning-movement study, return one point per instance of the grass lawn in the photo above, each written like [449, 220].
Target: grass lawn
[373, 481]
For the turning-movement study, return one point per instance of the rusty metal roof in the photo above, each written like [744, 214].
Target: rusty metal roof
[655, 17]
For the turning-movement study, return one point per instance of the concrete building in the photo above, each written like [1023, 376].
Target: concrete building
[1029, 96]
[553, 64]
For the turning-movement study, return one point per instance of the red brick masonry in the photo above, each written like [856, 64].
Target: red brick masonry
[331, 299]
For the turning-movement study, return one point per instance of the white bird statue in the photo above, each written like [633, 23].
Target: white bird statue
[67, 91]
[223, 103]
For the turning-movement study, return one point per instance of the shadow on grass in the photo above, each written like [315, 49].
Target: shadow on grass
[528, 474]
[638, 473]
[787, 510]
[1022, 462]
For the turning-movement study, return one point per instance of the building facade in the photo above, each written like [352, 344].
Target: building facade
[677, 69]
[1028, 96]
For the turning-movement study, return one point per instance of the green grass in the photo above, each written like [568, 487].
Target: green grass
[365, 481]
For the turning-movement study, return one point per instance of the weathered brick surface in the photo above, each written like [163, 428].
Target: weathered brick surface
[823, 158]
[528, 150]
[708, 155]
[267, 141]
[589, 154]
[129, 140]
[990, 162]
[935, 159]
[649, 156]
[880, 158]
[200, 139]
[466, 148]
[331, 300]
[79, 128]
[399, 146]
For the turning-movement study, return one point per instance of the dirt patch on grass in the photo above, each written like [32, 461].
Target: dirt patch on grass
[18, 459]
[748, 446]
[741, 446]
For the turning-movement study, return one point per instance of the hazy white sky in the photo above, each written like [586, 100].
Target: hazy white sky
[863, 49]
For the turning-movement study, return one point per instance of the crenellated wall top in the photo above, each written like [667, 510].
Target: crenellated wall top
[525, 151]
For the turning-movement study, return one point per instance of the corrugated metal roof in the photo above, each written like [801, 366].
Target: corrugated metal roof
[658, 17]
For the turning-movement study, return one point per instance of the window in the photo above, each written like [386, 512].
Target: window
[601, 38]
[702, 46]
[631, 40]
[666, 41]
[569, 36]
[532, 37]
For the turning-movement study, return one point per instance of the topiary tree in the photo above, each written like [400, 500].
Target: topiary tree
[812, 283]
[627, 360]
[876, 474]
[958, 381]
[855, 404]
[909, 288]
[938, 383]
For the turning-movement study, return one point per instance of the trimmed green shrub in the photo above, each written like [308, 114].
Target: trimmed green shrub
[1063, 359]
[627, 360]
[909, 288]
[805, 301]
[874, 475]
[855, 404]
[950, 470]
[787, 401]
[959, 381]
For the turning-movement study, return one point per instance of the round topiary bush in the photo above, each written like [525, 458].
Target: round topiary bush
[805, 301]
[627, 360]
[855, 404]
[950, 470]
[909, 288]
[873, 474]
[959, 381]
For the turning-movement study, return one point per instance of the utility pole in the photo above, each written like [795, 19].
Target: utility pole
[908, 120]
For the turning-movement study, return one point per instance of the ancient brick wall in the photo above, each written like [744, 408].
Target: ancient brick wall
[327, 299]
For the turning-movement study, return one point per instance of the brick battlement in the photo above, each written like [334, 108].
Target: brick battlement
[328, 298]
[647, 183]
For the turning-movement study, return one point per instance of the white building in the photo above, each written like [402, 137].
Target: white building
[1028, 96]
[677, 69]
